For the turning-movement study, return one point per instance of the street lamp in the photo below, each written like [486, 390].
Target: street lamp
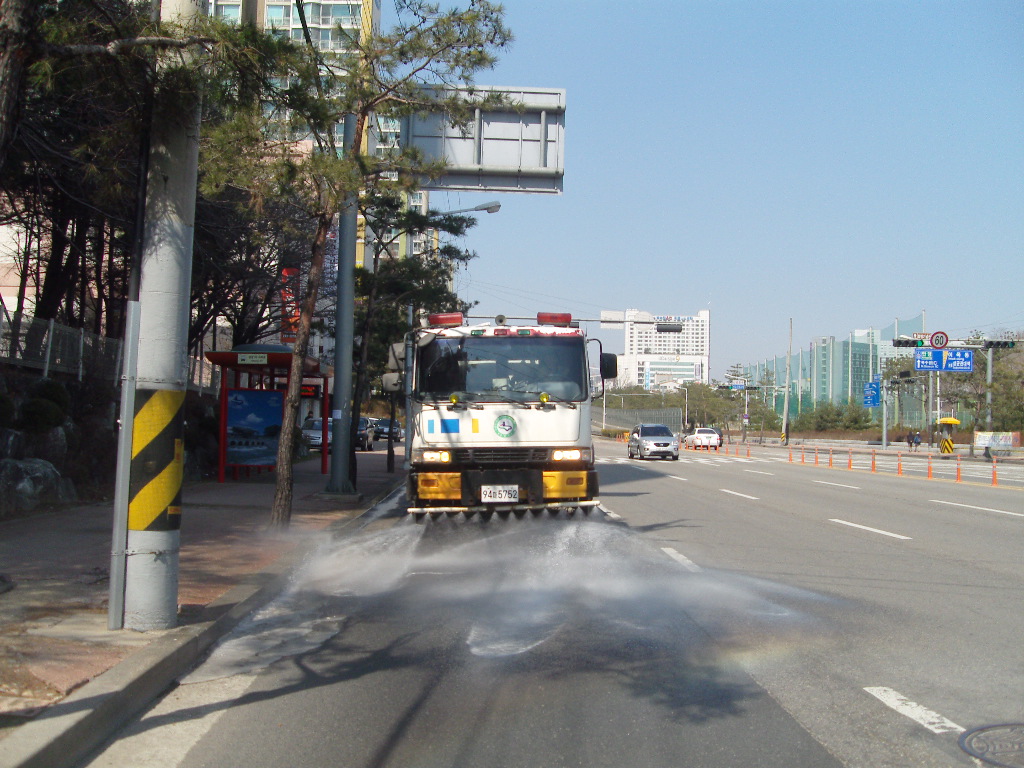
[492, 207]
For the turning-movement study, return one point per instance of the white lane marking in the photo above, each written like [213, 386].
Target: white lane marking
[737, 493]
[933, 721]
[866, 528]
[677, 477]
[609, 513]
[838, 485]
[683, 560]
[759, 472]
[982, 509]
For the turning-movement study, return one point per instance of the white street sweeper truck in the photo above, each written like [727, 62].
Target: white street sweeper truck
[499, 414]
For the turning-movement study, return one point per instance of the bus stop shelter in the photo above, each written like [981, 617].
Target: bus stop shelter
[253, 381]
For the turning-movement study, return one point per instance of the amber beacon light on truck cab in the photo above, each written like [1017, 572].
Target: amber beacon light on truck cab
[499, 414]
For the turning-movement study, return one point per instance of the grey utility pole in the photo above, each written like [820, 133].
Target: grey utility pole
[153, 496]
[344, 327]
[789, 379]
[988, 391]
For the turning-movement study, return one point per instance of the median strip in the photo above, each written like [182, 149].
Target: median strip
[866, 528]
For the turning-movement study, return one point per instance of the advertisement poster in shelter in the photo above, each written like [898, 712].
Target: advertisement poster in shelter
[253, 427]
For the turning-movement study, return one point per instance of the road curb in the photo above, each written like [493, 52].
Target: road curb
[70, 730]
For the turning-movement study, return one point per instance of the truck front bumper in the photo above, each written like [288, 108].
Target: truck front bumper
[538, 489]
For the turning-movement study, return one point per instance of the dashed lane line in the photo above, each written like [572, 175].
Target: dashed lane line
[971, 506]
[683, 560]
[838, 485]
[759, 472]
[737, 493]
[933, 721]
[873, 530]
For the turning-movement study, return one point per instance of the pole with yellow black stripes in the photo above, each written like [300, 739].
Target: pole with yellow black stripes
[149, 547]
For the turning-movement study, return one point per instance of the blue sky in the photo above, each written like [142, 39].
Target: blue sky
[840, 163]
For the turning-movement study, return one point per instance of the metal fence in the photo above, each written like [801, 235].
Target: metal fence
[627, 418]
[44, 345]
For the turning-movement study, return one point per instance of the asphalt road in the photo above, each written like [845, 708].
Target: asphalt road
[721, 612]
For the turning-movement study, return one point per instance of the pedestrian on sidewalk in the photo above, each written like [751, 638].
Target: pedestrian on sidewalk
[910, 441]
[917, 442]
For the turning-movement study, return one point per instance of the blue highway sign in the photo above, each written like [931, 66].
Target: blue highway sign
[961, 360]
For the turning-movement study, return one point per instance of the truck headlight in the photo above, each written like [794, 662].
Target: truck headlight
[571, 454]
[435, 457]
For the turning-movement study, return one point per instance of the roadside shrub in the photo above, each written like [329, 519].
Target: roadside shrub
[40, 415]
[55, 392]
[8, 411]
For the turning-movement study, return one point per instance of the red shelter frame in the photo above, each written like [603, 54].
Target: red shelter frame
[265, 364]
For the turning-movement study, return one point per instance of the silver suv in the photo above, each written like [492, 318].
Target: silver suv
[647, 441]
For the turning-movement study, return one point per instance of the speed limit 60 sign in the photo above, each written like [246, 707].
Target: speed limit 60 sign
[939, 339]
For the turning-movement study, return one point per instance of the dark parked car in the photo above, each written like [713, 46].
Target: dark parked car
[385, 427]
[312, 431]
[364, 435]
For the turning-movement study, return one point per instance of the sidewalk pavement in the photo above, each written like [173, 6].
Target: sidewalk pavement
[66, 681]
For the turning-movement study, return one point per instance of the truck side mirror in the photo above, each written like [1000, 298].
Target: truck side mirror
[391, 382]
[609, 365]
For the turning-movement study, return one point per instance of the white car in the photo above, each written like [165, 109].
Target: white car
[312, 430]
[647, 441]
[703, 437]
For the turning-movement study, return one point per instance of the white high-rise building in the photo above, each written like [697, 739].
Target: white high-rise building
[322, 18]
[678, 353]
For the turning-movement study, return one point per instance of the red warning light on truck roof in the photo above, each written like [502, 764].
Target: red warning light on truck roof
[554, 318]
[447, 319]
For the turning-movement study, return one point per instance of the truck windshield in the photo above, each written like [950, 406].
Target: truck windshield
[501, 368]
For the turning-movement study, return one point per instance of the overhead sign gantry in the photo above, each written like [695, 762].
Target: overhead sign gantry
[517, 149]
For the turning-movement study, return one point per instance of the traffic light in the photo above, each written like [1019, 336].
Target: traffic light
[908, 342]
[999, 344]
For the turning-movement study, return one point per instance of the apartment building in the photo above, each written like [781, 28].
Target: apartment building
[831, 369]
[662, 351]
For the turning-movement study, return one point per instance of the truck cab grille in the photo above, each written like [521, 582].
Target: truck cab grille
[506, 456]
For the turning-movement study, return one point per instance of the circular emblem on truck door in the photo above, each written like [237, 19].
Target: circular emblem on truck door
[504, 426]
